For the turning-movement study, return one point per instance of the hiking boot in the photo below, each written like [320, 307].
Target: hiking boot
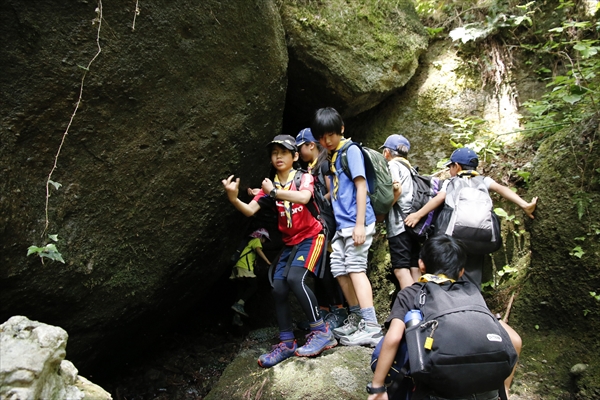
[238, 308]
[350, 326]
[316, 343]
[336, 317]
[368, 334]
[279, 353]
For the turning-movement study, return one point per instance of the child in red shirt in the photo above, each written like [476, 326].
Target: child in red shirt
[303, 240]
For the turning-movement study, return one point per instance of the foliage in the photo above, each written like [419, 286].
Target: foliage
[48, 251]
[473, 132]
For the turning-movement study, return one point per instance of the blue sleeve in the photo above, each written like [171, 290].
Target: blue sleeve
[356, 162]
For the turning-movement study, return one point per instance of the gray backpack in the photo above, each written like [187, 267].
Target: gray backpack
[468, 215]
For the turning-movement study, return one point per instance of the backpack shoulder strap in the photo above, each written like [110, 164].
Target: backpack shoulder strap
[344, 156]
[312, 207]
[404, 162]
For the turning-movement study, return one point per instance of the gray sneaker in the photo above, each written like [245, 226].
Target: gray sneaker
[367, 334]
[350, 326]
[336, 317]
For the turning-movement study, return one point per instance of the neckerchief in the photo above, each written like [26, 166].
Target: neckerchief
[439, 279]
[312, 164]
[469, 172]
[286, 186]
[334, 156]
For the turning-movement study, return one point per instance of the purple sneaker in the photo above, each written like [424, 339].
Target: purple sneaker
[279, 353]
[316, 343]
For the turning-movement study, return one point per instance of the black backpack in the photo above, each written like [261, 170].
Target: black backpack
[424, 189]
[319, 206]
[459, 348]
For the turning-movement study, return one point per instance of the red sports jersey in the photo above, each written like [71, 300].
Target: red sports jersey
[304, 225]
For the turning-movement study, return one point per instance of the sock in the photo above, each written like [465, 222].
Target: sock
[318, 326]
[288, 338]
[368, 314]
[355, 309]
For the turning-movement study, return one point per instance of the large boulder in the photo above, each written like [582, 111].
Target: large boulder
[350, 55]
[168, 109]
[338, 374]
[33, 365]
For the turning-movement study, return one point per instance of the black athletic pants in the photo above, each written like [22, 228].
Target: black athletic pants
[296, 283]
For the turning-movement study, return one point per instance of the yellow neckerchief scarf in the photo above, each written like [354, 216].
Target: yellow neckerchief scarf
[404, 161]
[439, 279]
[286, 186]
[469, 172]
[334, 156]
[312, 164]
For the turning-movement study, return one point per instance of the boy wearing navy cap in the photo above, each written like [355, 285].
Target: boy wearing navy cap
[463, 163]
[404, 248]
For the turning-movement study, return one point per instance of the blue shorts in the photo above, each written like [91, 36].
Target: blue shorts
[308, 255]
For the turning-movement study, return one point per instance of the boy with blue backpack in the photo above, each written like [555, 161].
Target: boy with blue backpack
[463, 164]
[404, 247]
[355, 226]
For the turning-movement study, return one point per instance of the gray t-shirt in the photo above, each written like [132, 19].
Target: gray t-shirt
[394, 221]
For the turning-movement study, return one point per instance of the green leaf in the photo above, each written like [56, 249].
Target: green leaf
[500, 212]
[572, 98]
[55, 184]
[577, 252]
[34, 250]
[53, 237]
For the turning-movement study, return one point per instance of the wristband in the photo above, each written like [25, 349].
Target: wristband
[375, 390]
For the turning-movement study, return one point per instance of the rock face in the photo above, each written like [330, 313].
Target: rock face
[33, 365]
[337, 374]
[565, 245]
[169, 109]
[349, 55]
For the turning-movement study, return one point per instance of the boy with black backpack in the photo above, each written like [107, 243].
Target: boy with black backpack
[458, 209]
[404, 248]
[466, 354]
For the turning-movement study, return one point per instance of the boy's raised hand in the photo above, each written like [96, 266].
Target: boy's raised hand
[267, 185]
[530, 208]
[231, 187]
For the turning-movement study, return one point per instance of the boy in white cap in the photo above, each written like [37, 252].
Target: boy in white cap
[404, 248]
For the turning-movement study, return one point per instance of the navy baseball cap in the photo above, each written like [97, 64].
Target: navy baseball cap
[395, 141]
[464, 156]
[286, 141]
[304, 136]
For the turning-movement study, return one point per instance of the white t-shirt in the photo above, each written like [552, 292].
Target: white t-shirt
[394, 221]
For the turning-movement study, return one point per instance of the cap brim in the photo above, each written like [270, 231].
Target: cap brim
[448, 164]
